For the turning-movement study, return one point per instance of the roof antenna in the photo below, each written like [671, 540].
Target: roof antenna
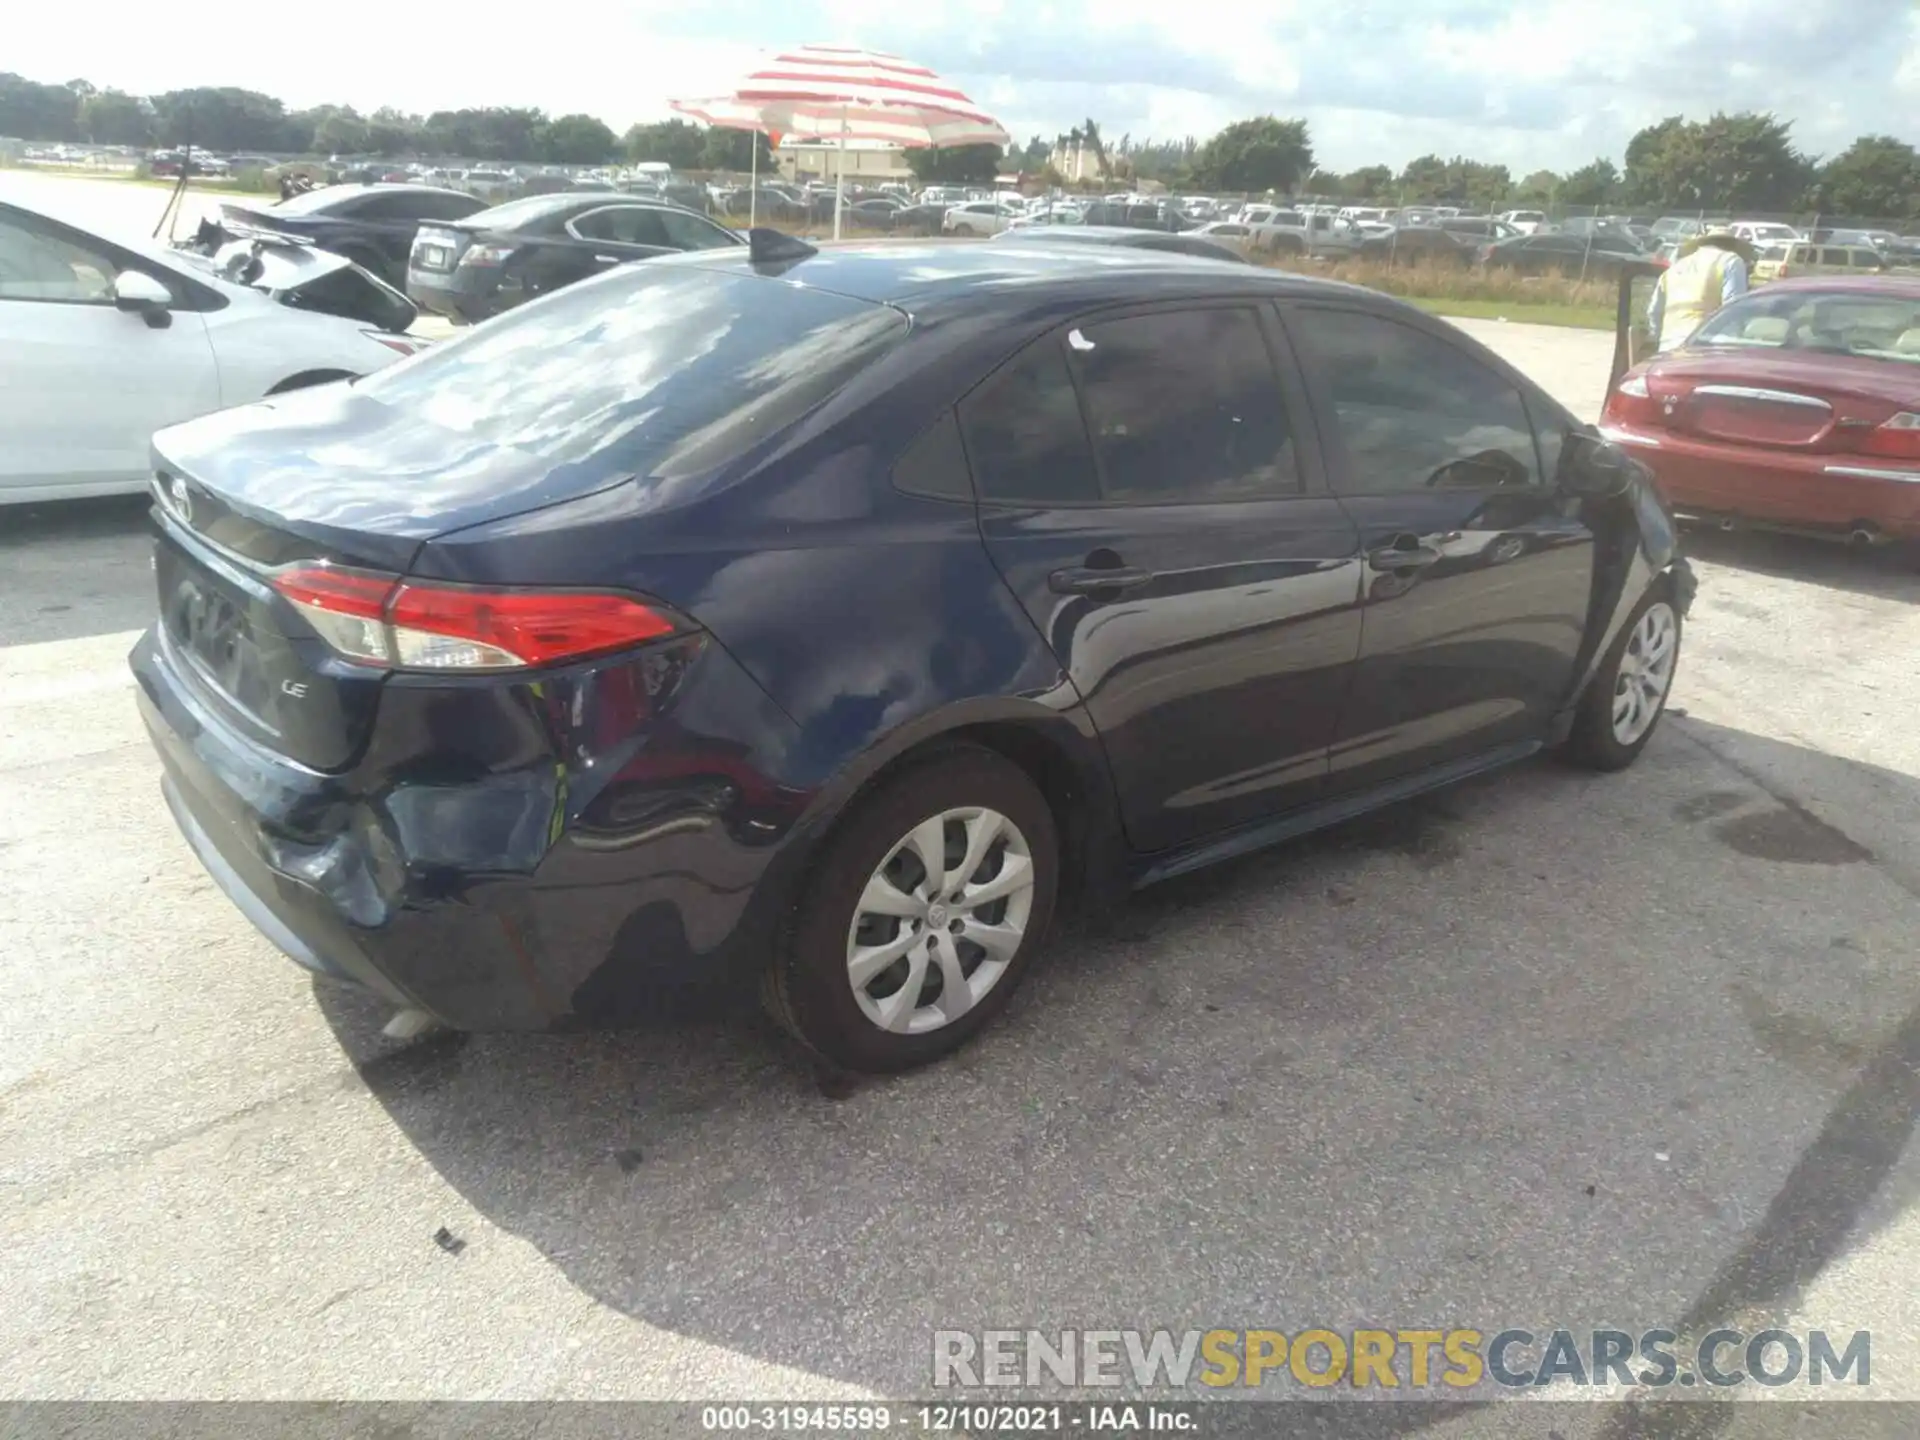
[775, 247]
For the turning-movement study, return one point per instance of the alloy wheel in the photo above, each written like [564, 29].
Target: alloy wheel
[1646, 671]
[940, 920]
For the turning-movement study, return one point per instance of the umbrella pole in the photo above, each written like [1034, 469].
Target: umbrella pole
[840, 177]
[753, 182]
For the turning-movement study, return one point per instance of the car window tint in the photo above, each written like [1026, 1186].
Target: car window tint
[651, 371]
[1412, 410]
[623, 225]
[935, 465]
[36, 264]
[447, 207]
[1184, 405]
[1025, 438]
[402, 206]
[690, 232]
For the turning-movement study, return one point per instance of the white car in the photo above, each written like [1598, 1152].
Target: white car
[1527, 222]
[104, 342]
[1766, 232]
[979, 217]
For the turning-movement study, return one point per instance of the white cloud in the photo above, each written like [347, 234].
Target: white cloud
[1549, 82]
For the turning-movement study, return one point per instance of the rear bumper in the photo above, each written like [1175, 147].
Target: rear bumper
[1814, 491]
[466, 298]
[534, 894]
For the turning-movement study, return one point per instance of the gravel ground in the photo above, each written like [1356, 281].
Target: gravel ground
[1546, 1049]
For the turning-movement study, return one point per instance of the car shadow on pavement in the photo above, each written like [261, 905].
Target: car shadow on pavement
[1888, 572]
[74, 568]
[1545, 1049]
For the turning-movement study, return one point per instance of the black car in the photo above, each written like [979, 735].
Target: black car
[1197, 245]
[922, 220]
[1409, 244]
[1600, 257]
[372, 225]
[492, 261]
[1138, 215]
[875, 213]
[814, 623]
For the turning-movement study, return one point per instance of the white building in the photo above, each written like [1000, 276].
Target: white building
[1076, 161]
[869, 162]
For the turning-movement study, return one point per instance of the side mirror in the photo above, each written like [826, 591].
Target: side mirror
[140, 293]
[1594, 468]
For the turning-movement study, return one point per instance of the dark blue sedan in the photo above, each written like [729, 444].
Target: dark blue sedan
[822, 622]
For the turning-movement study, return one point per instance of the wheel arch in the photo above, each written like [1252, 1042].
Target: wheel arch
[1056, 750]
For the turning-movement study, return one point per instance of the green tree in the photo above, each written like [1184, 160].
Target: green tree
[112, 117]
[955, 164]
[1369, 182]
[576, 140]
[1256, 155]
[336, 131]
[673, 142]
[390, 132]
[32, 111]
[1539, 188]
[722, 149]
[1876, 177]
[1727, 162]
[224, 118]
[1595, 183]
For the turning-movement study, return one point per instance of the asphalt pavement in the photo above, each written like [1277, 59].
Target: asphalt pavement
[1547, 1049]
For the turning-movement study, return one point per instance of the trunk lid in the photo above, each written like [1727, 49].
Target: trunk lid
[315, 475]
[437, 248]
[1782, 401]
[658, 378]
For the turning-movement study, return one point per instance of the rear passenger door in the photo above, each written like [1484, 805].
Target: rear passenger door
[1478, 570]
[1146, 489]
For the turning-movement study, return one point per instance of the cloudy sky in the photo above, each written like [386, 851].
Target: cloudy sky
[1526, 82]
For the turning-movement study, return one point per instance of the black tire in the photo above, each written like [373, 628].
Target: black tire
[808, 990]
[1592, 745]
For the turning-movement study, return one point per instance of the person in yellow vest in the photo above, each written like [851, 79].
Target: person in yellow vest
[1709, 271]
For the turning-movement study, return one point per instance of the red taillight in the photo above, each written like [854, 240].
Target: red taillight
[384, 620]
[1898, 437]
[1631, 403]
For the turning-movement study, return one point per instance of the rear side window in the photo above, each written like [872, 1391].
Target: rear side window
[1025, 438]
[623, 225]
[935, 465]
[1184, 406]
[446, 207]
[690, 232]
[1410, 410]
[654, 371]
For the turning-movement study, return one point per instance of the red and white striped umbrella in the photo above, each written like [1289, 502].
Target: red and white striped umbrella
[830, 91]
[839, 93]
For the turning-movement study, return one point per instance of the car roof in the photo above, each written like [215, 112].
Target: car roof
[1906, 287]
[929, 279]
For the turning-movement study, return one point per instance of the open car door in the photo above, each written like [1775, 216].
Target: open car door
[1633, 338]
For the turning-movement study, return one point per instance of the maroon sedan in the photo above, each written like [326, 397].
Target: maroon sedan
[1796, 407]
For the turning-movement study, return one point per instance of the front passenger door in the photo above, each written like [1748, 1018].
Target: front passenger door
[1478, 571]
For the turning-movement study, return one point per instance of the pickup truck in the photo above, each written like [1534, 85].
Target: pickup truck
[1316, 234]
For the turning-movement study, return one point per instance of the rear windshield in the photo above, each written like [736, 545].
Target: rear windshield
[658, 370]
[519, 212]
[1879, 327]
[327, 197]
